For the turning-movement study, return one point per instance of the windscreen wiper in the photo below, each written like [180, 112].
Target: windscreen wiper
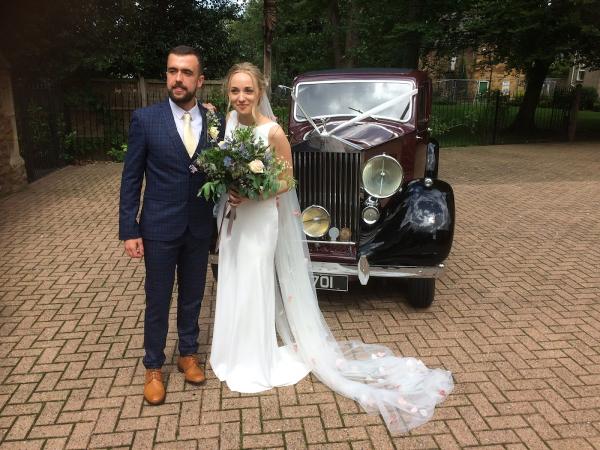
[372, 111]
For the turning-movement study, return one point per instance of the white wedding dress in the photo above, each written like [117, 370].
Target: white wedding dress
[265, 282]
[245, 353]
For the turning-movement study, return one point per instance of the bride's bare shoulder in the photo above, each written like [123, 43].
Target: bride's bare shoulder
[275, 129]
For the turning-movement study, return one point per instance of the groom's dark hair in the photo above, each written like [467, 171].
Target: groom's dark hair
[182, 50]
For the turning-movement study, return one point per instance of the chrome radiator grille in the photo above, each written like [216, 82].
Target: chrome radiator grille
[331, 180]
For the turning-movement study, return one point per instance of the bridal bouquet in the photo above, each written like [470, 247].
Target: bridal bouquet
[241, 163]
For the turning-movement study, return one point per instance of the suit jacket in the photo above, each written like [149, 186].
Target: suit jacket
[171, 204]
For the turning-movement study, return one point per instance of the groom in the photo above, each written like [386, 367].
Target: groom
[175, 227]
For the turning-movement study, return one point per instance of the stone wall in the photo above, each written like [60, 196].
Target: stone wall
[471, 65]
[500, 78]
[12, 166]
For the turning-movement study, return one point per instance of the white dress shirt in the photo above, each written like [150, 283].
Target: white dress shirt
[196, 119]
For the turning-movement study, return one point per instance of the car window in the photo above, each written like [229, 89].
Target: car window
[422, 112]
[350, 98]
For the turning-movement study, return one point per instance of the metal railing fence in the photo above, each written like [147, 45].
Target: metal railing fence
[466, 118]
[58, 125]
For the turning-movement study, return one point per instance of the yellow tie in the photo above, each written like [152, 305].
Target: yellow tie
[189, 140]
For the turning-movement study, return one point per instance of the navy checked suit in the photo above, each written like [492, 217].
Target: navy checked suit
[175, 224]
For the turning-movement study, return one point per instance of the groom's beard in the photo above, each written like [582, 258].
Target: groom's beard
[183, 99]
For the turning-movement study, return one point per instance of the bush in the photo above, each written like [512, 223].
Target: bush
[117, 153]
[444, 100]
[67, 145]
[219, 102]
[589, 96]
[517, 100]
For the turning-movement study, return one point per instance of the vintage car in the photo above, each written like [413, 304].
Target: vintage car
[372, 205]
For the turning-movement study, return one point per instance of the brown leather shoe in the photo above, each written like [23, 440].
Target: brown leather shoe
[154, 389]
[190, 366]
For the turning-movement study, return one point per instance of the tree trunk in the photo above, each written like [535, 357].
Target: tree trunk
[334, 17]
[411, 55]
[351, 36]
[412, 43]
[572, 124]
[269, 20]
[525, 120]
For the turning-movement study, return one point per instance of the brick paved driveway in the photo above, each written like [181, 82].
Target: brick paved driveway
[517, 319]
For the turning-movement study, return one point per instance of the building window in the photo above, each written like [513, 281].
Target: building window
[483, 86]
[453, 64]
[580, 75]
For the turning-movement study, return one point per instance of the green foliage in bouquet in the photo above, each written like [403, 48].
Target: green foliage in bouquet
[241, 163]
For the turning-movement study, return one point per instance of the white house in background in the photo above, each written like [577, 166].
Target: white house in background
[587, 78]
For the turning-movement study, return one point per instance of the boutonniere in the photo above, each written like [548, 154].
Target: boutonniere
[213, 126]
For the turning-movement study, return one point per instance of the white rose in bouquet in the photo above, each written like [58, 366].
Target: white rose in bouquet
[256, 166]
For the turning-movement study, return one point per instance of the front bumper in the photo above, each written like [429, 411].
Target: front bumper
[364, 271]
[380, 271]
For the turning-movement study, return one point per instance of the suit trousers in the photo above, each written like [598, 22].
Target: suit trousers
[187, 256]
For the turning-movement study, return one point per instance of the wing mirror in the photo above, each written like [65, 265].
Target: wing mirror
[283, 90]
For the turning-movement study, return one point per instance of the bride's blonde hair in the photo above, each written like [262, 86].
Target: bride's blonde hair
[258, 80]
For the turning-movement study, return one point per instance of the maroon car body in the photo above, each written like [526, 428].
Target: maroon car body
[349, 129]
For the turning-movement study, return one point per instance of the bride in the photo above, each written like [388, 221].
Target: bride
[265, 284]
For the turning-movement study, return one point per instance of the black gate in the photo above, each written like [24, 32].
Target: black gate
[41, 127]
[463, 116]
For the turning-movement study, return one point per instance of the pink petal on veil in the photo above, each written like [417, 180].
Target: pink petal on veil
[296, 213]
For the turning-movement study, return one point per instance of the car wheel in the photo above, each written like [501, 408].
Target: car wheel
[215, 271]
[421, 292]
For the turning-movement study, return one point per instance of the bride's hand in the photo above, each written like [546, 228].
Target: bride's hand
[235, 199]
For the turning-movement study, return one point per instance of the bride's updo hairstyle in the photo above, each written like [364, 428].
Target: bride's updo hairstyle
[258, 80]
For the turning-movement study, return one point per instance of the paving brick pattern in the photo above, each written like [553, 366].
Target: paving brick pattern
[516, 319]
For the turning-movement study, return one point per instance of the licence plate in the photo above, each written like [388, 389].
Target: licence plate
[328, 282]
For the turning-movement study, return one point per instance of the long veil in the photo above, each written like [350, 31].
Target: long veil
[402, 389]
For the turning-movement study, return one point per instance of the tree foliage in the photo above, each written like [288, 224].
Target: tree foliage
[131, 37]
[323, 34]
[531, 36]
[67, 38]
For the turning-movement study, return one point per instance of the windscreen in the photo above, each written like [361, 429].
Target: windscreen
[350, 98]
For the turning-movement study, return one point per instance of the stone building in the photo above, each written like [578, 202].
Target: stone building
[12, 167]
[579, 74]
[476, 69]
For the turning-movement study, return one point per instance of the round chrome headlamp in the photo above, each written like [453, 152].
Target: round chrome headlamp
[370, 215]
[382, 176]
[315, 221]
